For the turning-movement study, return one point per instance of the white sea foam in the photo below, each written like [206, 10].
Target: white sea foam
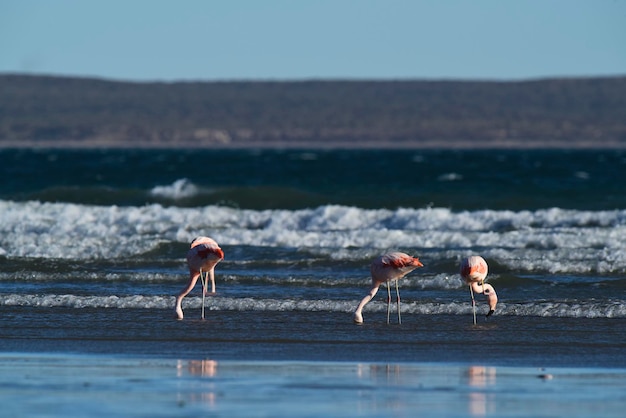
[450, 177]
[180, 189]
[549, 240]
[561, 309]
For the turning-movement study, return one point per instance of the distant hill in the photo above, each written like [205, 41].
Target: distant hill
[61, 111]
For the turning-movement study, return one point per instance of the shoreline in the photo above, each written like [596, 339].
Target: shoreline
[147, 357]
[324, 146]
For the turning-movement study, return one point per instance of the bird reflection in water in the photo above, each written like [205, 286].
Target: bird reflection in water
[386, 377]
[479, 378]
[473, 387]
[204, 369]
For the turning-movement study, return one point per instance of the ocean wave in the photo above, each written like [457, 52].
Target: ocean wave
[180, 189]
[549, 240]
[562, 308]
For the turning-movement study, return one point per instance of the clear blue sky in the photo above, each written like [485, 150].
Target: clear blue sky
[324, 39]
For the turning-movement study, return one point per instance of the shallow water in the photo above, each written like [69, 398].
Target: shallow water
[92, 247]
[316, 336]
[61, 385]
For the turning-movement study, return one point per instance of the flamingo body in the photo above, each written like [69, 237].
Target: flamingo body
[385, 269]
[393, 266]
[474, 271]
[203, 256]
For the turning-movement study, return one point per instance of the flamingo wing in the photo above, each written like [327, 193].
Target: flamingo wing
[204, 240]
[474, 268]
[208, 252]
[399, 260]
[204, 254]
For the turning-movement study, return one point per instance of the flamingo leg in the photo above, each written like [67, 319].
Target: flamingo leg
[388, 301]
[398, 302]
[204, 285]
[473, 303]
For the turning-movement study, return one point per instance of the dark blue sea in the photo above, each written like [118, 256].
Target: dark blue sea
[93, 245]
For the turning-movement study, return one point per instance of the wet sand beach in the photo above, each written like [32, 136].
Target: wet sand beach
[65, 385]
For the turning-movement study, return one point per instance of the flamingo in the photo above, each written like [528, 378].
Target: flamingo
[202, 257]
[474, 271]
[385, 269]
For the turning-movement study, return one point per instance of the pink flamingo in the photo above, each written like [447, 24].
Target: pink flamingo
[385, 269]
[202, 257]
[474, 271]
